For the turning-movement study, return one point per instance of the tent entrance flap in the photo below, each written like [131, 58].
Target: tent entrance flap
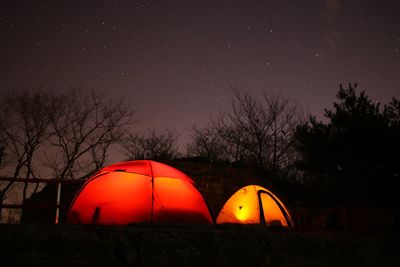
[272, 212]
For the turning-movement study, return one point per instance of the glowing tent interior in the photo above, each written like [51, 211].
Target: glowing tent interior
[254, 204]
[138, 191]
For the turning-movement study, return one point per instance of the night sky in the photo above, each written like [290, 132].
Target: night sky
[176, 60]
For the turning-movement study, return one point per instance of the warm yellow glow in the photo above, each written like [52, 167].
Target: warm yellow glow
[272, 213]
[243, 207]
[242, 213]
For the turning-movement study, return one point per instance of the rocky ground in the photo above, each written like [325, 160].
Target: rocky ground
[183, 245]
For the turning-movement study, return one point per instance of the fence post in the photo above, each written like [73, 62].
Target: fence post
[58, 202]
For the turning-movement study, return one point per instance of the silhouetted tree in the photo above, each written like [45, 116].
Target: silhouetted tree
[207, 144]
[256, 131]
[84, 125]
[233, 139]
[262, 128]
[351, 156]
[392, 113]
[69, 133]
[1, 154]
[2, 145]
[151, 145]
[24, 129]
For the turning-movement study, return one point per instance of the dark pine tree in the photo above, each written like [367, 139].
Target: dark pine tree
[352, 157]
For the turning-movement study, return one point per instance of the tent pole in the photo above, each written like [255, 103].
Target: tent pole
[58, 202]
[152, 192]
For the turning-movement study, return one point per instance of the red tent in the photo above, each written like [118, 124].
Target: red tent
[138, 191]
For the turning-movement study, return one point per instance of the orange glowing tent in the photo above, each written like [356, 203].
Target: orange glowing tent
[138, 191]
[254, 204]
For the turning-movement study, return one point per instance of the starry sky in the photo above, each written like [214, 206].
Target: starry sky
[176, 60]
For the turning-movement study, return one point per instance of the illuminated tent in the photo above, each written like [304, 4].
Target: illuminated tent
[138, 191]
[254, 204]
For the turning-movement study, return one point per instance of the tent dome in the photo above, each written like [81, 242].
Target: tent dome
[254, 204]
[138, 191]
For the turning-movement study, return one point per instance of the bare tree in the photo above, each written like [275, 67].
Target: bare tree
[69, 133]
[285, 117]
[249, 125]
[152, 145]
[2, 141]
[24, 127]
[84, 125]
[207, 144]
[255, 130]
[1, 154]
